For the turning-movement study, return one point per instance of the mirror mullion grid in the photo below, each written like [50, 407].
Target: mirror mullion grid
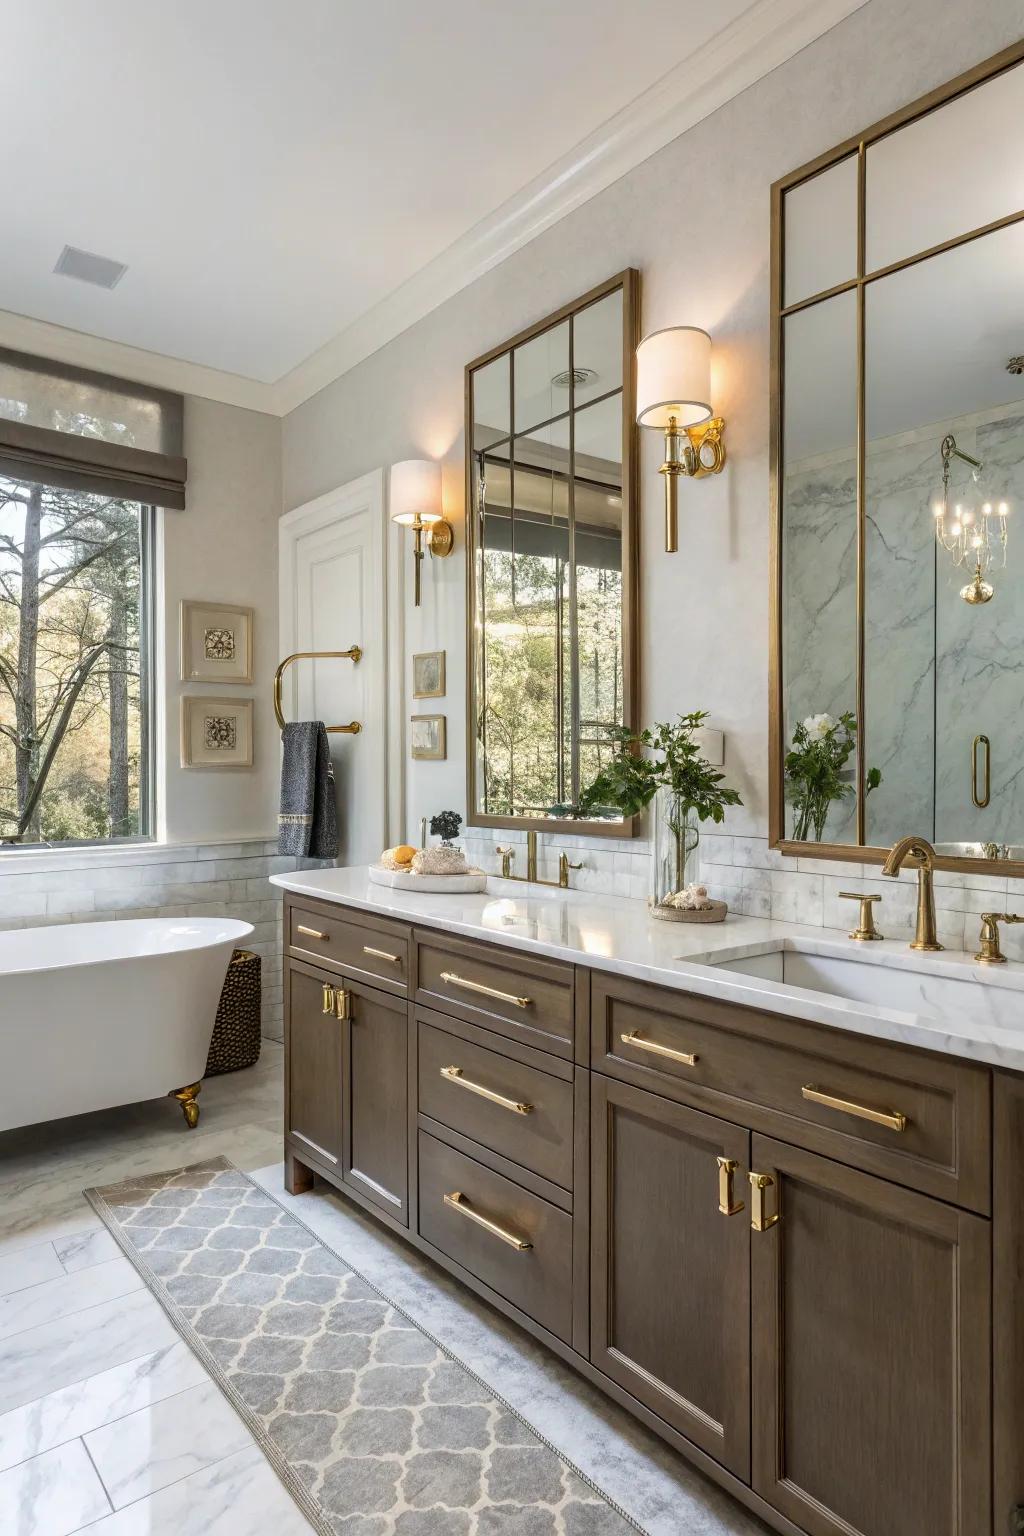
[861, 850]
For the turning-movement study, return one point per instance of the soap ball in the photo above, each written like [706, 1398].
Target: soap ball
[440, 861]
[398, 858]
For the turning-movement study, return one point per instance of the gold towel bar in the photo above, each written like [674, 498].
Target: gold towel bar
[353, 653]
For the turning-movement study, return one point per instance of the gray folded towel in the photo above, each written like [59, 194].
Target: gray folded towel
[307, 824]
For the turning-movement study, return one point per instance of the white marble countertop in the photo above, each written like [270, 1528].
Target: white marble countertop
[947, 1002]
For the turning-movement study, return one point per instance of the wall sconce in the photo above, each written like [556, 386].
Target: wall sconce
[416, 504]
[673, 395]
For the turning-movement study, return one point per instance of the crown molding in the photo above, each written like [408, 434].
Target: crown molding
[767, 34]
[63, 345]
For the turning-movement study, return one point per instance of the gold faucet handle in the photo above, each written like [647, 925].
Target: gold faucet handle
[507, 855]
[865, 928]
[989, 951]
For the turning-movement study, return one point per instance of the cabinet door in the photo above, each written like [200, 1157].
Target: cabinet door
[871, 1317]
[670, 1279]
[313, 1053]
[377, 1098]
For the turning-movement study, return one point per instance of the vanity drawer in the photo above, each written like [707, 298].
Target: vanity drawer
[919, 1119]
[516, 995]
[510, 1107]
[370, 948]
[512, 1240]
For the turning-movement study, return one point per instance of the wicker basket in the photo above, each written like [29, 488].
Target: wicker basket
[236, 1033]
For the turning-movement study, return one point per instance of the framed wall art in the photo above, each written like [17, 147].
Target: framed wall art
[428, 737]
[216, 643]
[216, 733]
[428, 679]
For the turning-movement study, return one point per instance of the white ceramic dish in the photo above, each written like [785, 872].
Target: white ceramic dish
[474, 880]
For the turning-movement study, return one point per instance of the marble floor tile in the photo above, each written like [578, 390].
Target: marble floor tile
[29, 1228]
[165, 1442]
[28, 1266]
[239, 1496]
[42, 1360]
[52, 1495]
[97, 1400]
[84, 1249]
[54, 1299]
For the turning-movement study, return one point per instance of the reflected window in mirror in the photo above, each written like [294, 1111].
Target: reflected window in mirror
[897, 483]
[550, 484]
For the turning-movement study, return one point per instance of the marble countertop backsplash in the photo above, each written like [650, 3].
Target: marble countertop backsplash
[616, 934]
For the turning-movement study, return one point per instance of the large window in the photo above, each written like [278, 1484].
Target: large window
[75, 665]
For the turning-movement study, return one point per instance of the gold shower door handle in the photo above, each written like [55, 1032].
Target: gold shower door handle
[982, 800]
[759, 1182]
[726, 1204]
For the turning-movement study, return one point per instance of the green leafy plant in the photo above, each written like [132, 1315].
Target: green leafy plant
[664, 755]
[814, 765]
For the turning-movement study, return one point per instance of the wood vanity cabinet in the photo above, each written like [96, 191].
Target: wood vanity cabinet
[827, 1345]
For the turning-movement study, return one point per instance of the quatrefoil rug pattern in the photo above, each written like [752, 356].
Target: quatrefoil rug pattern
[373, 1427]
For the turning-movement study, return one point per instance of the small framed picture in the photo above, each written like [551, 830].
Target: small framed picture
[428, 737]
[216, 643]
[216, 733]
[428, 675]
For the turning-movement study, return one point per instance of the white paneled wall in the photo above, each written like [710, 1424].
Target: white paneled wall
[195, 880]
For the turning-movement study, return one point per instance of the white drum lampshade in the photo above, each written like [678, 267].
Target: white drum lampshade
[673, 377]
[416, 492]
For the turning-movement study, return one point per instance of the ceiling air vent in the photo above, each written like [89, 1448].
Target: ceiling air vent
[89, 268]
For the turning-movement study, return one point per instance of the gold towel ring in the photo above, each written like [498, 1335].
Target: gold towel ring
[353, 653]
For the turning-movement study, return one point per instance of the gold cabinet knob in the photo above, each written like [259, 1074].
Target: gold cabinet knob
[865, 928]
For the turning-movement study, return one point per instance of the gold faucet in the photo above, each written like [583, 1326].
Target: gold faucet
[531, 877]
[923, 854]
[989, 952]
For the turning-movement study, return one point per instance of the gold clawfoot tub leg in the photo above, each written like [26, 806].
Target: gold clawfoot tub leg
[187, 1097]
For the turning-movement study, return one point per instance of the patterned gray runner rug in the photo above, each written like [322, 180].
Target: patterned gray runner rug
[373, 1426]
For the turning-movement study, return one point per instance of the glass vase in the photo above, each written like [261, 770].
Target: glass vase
[675, 843]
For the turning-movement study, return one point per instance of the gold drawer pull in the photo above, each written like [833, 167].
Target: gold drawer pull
[311, 933]
[381, 954]
[759, 1182]
[342, 1003]
[328, 998]
[889, 1117]
[478, 986]
[726, 1204]
[636, 1039]
[454, 1075]
[458, 1202]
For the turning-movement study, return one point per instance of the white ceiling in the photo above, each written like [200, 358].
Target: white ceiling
[271, 171]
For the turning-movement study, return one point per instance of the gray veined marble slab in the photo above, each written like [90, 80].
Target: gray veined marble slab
[53, 1299]
[610, 933]
[41, 1360]
[84, 1249]
[86, 1405]
[52, 1495]
[238, 1496]
[29, 1266]
[165, 1442]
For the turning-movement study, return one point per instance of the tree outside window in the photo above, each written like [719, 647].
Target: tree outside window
[74, 672]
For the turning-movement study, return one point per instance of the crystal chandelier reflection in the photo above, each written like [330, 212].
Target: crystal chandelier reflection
[972, 534]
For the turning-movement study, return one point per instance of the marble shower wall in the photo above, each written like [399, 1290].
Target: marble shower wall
[938, 671]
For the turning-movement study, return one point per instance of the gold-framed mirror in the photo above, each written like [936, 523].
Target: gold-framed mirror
[897, 485]
[552, 531]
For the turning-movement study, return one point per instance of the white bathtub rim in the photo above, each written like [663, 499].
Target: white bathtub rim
[203, 932]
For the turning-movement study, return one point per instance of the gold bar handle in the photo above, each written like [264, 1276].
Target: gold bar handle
[458, 1202]
[759, 1222]
[477, 986]
[726, 1204]
[342, 1003]
[381, 954]
[311, 933]
[328, 998]
[981, 800]
[454, 1075]
[887, 1117]
[636, 1039]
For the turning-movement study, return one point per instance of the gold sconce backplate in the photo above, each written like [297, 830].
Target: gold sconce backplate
[440, 539]
[708, 447]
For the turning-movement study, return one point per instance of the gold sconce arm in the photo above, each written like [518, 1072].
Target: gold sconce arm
[694, 452]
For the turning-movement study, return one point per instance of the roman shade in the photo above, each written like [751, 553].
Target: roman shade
[86, 431]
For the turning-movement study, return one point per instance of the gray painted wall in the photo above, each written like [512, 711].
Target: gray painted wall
[695, 220]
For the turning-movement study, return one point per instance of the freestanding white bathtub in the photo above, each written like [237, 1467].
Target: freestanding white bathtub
[98, 1014]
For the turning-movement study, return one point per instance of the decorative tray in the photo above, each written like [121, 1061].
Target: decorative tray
[405, 880]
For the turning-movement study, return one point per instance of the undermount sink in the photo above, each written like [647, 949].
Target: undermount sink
[935, 986]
